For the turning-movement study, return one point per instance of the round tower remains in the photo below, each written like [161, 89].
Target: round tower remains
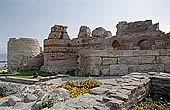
[24, 54]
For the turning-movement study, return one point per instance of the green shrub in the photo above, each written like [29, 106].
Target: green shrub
[154, 102]
[8, 89]
[71, 73]
[48, 103]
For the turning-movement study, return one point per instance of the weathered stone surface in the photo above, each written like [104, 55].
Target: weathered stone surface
[84, 32]
[98, 32]
[124, 28]
[29, 98]
[112, 82]
[13, 100]
[134, 52]
[107, 34]
[99, 90]
[115, 104]
[153, 52]
[147, 59]
[24, 54]
[118, 94]
[164, 52]
[93, 70]
[151, 67]
[128, 60]
[109, 61]
[105, 70]
[133, 68]
[164, 59]
[94, 60]
[167, 68]
[103, 53]
[62, 54]
[119, 69]
[63, 93]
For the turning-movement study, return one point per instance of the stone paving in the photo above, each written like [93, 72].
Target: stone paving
[115, 93]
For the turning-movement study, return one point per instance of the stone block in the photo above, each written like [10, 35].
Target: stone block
[167, 68]
[153, 52]
[134, 52]
[164, 52]
[105, 70]
[94, 60]
[164, 59]
[151, 68]
[13, 100]
[140, 52]
[128, 60]
[103, 53]
[118, 69]
[109, 61]
[93, 70]
[29, 98]
[99, 91]
[132, 68]
[146, 59]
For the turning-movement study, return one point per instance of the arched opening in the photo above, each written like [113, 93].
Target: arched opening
[144, 44]
[116, 44]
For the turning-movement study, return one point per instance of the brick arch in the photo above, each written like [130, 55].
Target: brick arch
[143, 38]
[115, 42]
[144, 42]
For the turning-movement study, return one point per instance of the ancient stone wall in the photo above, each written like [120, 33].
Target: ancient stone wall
[139, 35]
[61, 53]
[24, 54]
[122, 62]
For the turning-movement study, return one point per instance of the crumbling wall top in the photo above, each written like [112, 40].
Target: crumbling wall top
[101, 32]
[58, 32]
[124, 28]
[84, 32]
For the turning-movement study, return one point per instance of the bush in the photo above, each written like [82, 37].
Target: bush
[154, 102]
[71, 73]
[48, 103]
[8, 89]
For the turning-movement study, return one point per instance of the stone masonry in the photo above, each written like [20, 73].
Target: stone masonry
[61, 53]
[137, 46]
[122, 62]
[139, 35]
[24, 54]
[115, 93]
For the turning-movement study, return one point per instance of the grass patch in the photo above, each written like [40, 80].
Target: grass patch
[28, 74]
[154, 102]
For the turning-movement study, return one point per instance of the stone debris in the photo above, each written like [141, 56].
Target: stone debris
[29, 98]
[13, 100]
[63, 93]
[118, 94]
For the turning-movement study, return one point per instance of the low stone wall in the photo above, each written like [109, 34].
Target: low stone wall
[121, 62]
[126, 91]
[160, 83]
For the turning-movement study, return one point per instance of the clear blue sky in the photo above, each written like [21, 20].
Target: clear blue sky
[33, 18]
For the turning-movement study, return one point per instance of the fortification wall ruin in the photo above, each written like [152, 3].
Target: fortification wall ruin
[24, 54]
[139, 35]
[60, 52]
[122, 62]
[137, 47]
